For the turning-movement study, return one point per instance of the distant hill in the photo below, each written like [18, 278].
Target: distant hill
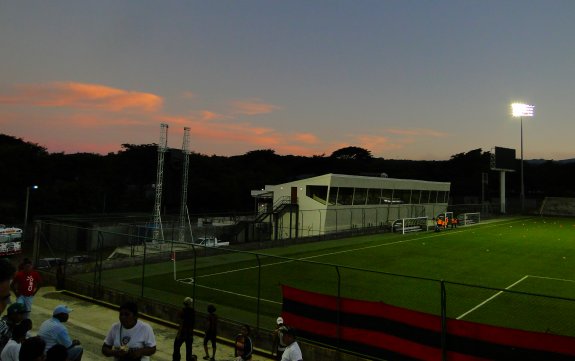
[540, 161]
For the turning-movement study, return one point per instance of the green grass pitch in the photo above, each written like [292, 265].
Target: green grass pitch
[529, 256]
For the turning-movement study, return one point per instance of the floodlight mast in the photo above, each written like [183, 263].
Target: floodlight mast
[520, 110]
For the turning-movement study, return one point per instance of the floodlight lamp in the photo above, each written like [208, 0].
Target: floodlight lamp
[522, 110]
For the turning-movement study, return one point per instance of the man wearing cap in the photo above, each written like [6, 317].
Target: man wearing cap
[14, 315]
[25, 285]
[292, 351]
[53, 332]
[185, 331]
[278, 345]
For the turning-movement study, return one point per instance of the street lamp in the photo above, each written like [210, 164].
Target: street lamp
[520, 110]
[27, 201]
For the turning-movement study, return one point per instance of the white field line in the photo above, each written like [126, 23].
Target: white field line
[190, 281]
[553, 278]
[490, 298]
[451, 232]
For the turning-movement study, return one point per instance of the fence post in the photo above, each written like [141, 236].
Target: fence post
[195, 268]
[443, 322]
[338, 309]
[143, 270]
[259, 291]
[97, 292]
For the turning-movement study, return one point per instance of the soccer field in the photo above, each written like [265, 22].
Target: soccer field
[493, 272]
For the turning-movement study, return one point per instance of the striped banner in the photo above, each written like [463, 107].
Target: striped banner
[393, 333]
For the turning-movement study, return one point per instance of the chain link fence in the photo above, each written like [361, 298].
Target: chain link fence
[123, 257]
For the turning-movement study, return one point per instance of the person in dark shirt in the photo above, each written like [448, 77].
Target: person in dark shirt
[211, 332]
[185, 333]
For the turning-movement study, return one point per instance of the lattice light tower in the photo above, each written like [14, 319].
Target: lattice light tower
[162, 147]
[183, 205]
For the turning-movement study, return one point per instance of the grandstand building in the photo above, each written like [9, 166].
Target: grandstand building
[338, 203]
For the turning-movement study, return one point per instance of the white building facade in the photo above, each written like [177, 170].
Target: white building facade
[338, 203]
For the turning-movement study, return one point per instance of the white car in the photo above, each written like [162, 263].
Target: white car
[79, 259]
[50, 262]
[211, 242]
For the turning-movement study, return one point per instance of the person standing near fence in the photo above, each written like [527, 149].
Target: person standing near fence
[26, 284]
[243, 345]
[185, 334]
[211, 332]
[292, 351]
[278, 345]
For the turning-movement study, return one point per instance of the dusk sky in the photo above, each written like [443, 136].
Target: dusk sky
[405, 79]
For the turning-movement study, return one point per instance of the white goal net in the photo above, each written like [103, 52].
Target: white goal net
[405, 225]
[469, 218]
[557, 206]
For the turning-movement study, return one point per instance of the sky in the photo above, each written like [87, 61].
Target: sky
[404, 79]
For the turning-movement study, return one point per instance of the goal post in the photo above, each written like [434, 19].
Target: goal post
[406, 225]
[557, 206]
[469, 218]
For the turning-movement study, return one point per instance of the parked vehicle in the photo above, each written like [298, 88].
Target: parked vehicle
[10, 240]
[9, 233]
[80, 259]
[50, 262]
[211, 242]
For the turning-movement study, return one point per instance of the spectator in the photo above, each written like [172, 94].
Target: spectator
[25, 285]
[243, 345]
[211, 332]
[53, 332]
[14, 315]
[185, 333]
[32, 349]
[292, 351]
[129, 339]
[7, 270]
[56, 353]
[278, 345]
[12, 348]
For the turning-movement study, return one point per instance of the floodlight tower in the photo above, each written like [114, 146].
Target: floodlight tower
[183, 205]
[162, 146]
[26, 207]
[520, 110]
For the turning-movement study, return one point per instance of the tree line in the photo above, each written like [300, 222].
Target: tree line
[124, 181]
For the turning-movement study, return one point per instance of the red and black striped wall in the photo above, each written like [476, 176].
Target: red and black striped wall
[387, 332]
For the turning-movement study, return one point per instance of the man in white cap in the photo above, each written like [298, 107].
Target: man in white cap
[278, 345]
[53, 332]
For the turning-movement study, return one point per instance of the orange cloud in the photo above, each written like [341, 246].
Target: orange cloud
[81, 95]
[252, 107]
[306, 138]
[376, 143]
[207, 115]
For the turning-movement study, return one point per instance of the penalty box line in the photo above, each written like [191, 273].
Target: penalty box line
[189, 281]
[492, 298]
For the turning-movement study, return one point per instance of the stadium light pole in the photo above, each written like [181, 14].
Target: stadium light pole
[520, 110]
[27, 202]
